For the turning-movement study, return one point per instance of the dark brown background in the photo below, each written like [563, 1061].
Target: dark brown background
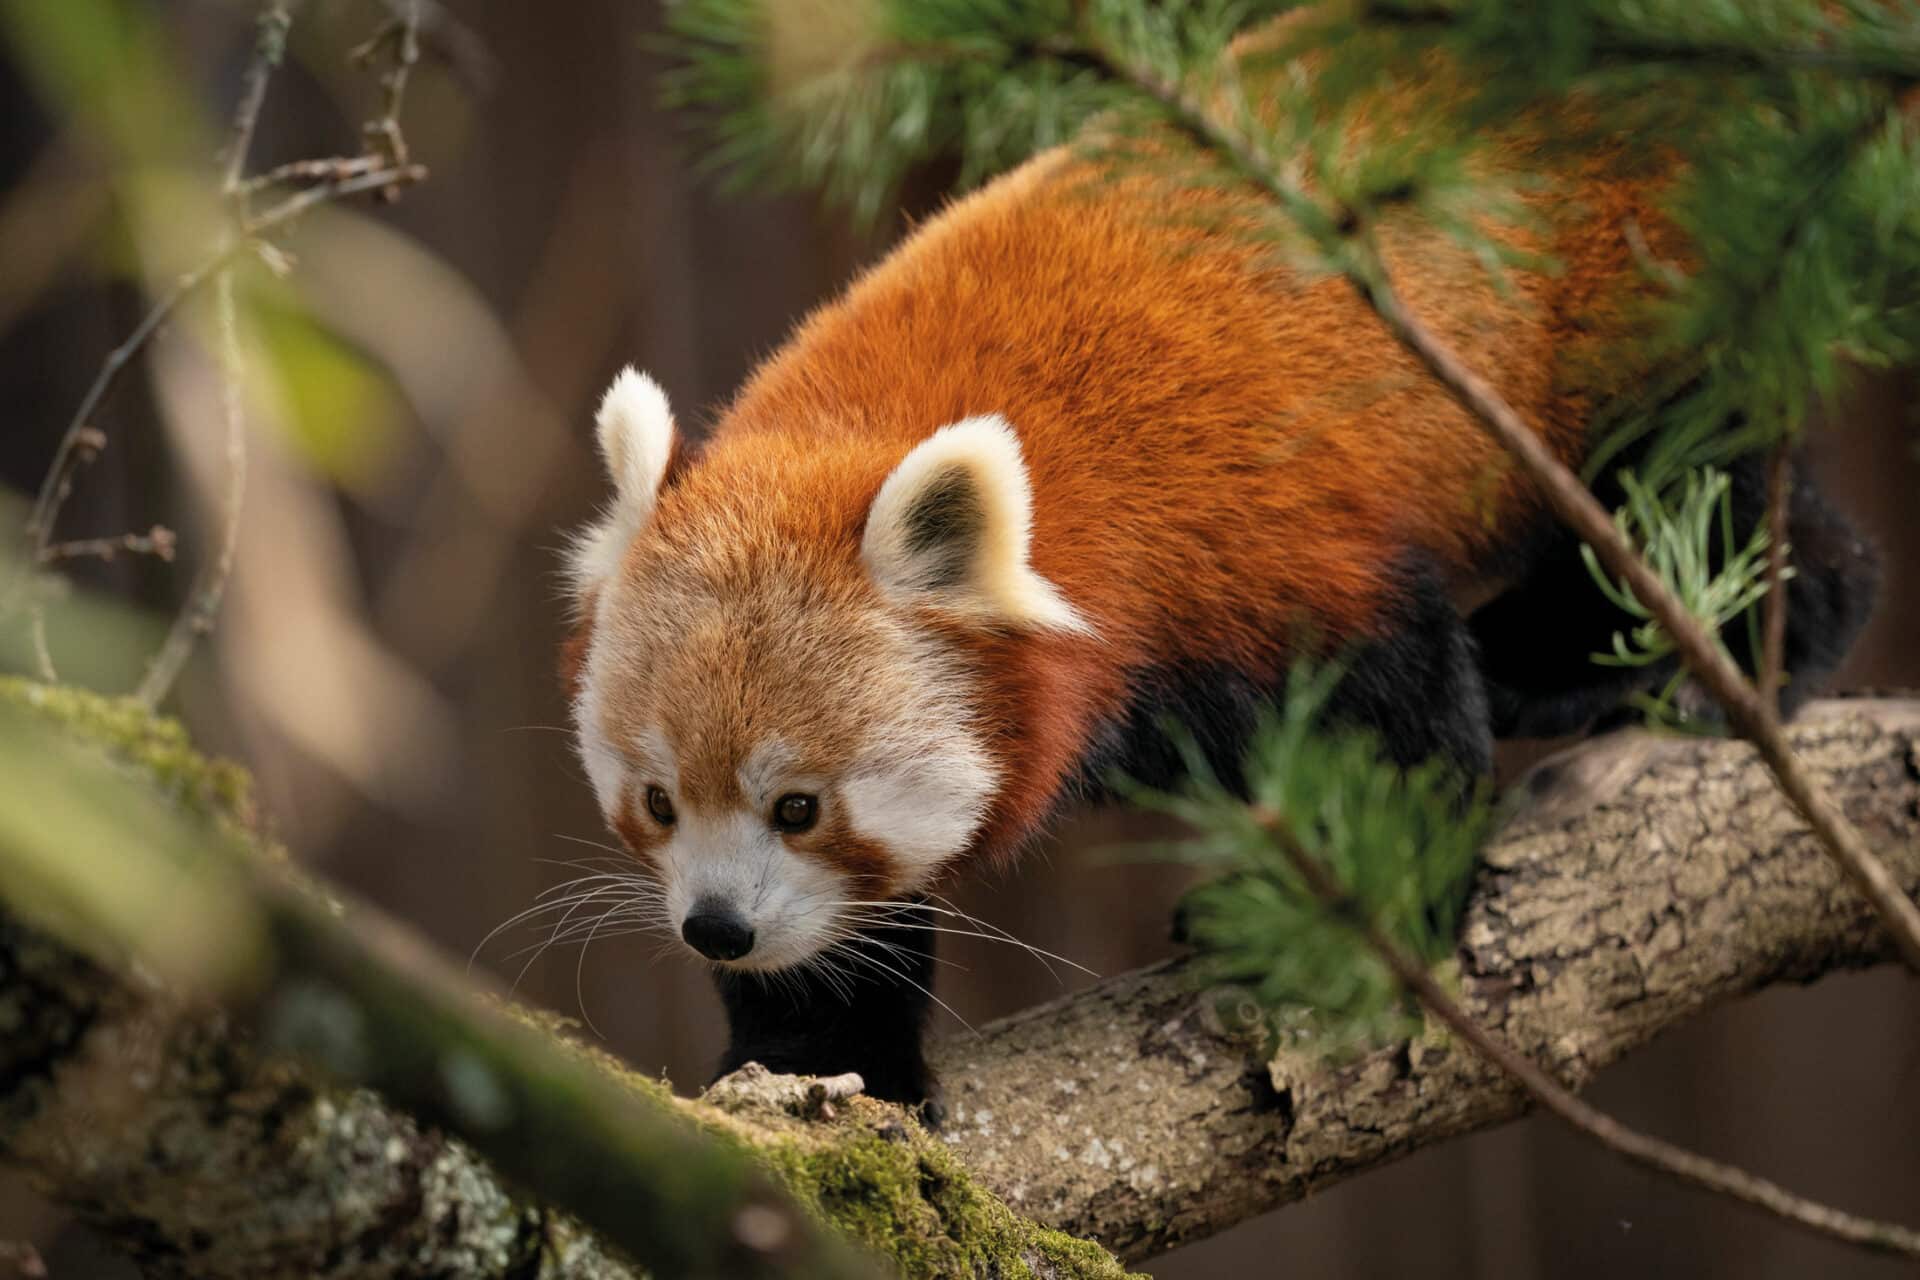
[571, 207]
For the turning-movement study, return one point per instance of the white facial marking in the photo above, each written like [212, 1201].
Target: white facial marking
[978, 563]
[737, 859]
[923, 810]
[606, 769]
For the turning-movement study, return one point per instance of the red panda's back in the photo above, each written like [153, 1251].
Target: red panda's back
[1218, 445]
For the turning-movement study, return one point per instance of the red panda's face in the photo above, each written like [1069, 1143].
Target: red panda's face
[767, 718]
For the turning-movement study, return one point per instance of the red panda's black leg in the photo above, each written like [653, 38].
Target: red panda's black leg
[860, 1006]
[1417, 682]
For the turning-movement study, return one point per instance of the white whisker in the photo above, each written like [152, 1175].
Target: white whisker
[862, 957]
[900, 913]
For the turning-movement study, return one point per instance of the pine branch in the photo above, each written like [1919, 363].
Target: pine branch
[1643, 1149]
[1345, 242]
[1773, 643]
[1822, 46]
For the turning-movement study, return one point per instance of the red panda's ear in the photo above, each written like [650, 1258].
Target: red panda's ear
[951, 528]
[636, 435]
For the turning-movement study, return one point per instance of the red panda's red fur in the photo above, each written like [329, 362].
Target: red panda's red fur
[1309, 448]
[1186, 460]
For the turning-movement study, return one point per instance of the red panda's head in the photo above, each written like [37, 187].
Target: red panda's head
[769, 700]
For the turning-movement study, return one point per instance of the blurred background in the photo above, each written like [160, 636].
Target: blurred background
[418, 404]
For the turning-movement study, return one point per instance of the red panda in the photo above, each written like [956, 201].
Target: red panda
[1061, 464]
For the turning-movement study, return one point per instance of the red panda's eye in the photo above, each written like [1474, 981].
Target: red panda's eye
[660, 806]
[794, 812]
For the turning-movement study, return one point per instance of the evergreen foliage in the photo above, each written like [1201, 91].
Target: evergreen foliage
[1400, 843]
[1801, 198]
[1717, 583]
[1795, 125]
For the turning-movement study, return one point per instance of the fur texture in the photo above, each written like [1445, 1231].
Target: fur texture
[1064, 463]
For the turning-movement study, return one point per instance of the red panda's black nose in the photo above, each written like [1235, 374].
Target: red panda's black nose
[716, 931]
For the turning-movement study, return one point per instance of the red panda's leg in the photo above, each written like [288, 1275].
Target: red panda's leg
[860, 1006]
[1416, 681]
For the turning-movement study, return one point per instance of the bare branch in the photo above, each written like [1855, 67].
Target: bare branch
[210, 583]
[453, 42]
[333, 179]
[327, 169]
[158, 542]
[402, 36]
[269, 50]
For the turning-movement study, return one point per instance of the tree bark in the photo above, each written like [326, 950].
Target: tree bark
[1643, 881]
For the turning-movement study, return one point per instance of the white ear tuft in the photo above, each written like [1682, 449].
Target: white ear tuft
[635, 427]
[951, 527]
[635, 430]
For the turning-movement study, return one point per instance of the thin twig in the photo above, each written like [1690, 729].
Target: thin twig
[1773, 643]
[402, 35]
[158, 542]
[1749, 715]
[335, 180]
[82, 441]
[196, 618]
[1641, 1148]
[269, 50]
[325, 169]
[210, 583]
[453, 42]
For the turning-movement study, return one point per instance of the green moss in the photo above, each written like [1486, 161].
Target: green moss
[900, 1193]
[566, 1031]
[1072, 1254]
[156, 745]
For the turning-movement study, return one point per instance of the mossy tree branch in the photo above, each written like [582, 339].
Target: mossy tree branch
[1137, 1112]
